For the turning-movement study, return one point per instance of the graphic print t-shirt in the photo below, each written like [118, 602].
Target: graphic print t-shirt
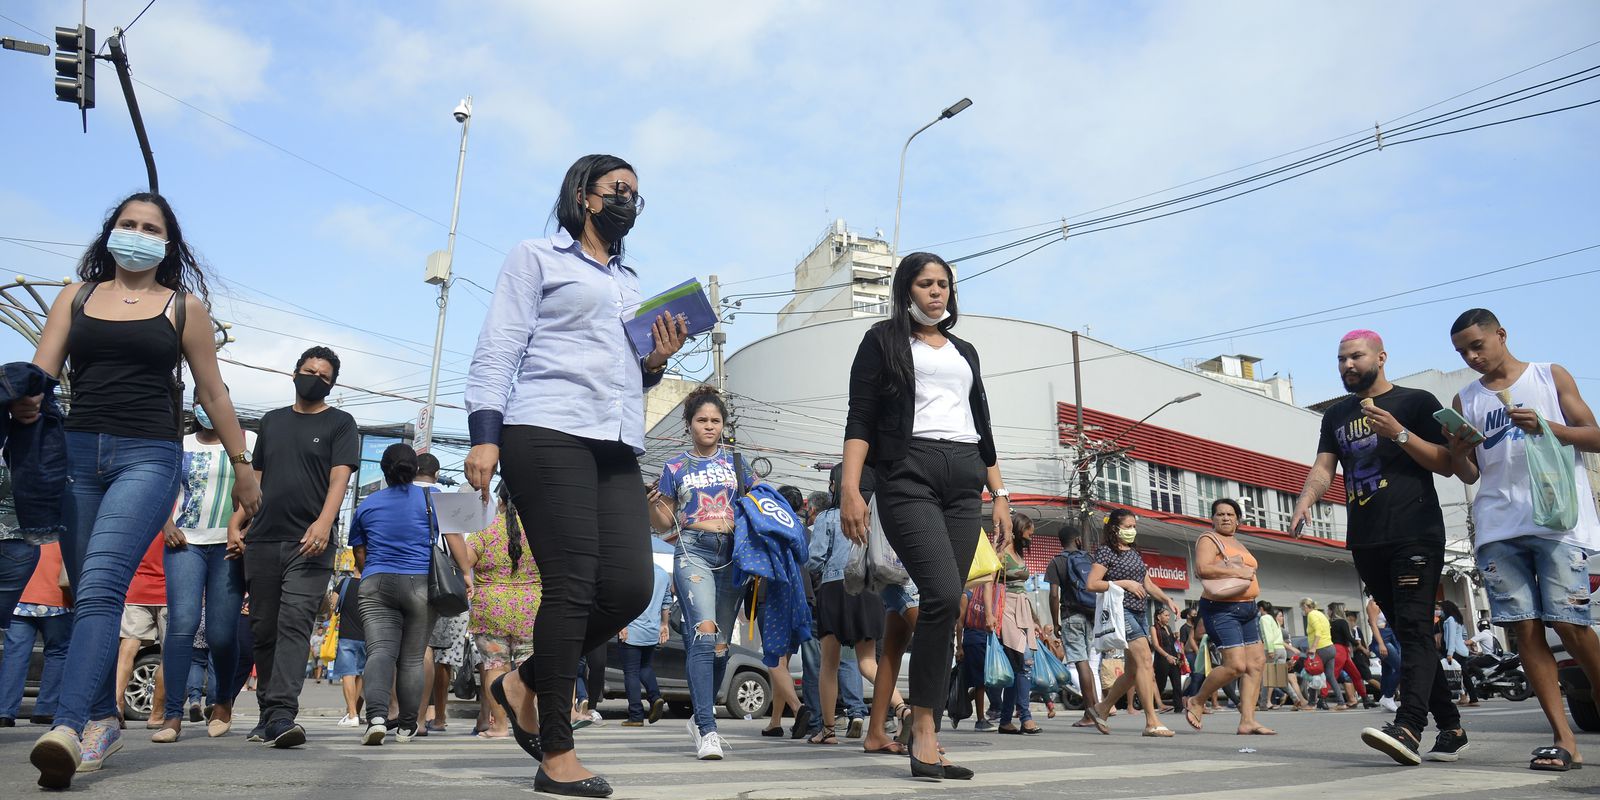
[704, 488]
[205, 497]
[1390, 497]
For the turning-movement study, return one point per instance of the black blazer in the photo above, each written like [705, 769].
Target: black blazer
[883, 419]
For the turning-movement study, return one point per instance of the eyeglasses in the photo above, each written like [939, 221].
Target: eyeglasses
[621, 195]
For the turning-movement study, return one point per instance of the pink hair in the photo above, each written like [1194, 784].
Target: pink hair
[1363, 333]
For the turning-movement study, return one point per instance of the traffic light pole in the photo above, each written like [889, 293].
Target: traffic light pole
[119, 59]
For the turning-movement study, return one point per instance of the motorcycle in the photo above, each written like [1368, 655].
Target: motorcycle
[1499, 675]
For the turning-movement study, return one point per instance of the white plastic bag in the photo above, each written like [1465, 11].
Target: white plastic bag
[855, 569]
[1110, 629]
[883, 565]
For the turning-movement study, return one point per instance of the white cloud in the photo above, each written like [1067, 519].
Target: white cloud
[196, 52]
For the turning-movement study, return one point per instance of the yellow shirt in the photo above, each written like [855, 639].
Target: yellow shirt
[1318, 635]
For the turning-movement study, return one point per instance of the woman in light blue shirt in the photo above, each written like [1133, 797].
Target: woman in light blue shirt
[556, 390]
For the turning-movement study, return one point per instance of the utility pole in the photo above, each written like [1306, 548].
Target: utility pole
[1084, 501]
[718, 338]
[438, 273]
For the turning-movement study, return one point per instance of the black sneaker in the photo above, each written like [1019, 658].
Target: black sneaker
[1448, 746]
[1395, 741]
[284, 734]
[258, 733]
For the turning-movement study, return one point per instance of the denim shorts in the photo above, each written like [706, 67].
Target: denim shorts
[1075, 629]
[1137, 629]
[351, 660]
[900, 598]
[1532, 577]
[1231, 624]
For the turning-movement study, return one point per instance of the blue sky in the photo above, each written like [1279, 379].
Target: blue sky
[753, 125]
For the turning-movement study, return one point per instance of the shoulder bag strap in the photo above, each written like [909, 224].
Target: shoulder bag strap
[738, 475]
[180, 306]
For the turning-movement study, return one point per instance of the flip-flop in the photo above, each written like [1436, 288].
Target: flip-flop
[1558, 754]
[488, 735]
[890, 749]
[1190, 717]
[1100, 723]
[1158, 732]
[1083, 723]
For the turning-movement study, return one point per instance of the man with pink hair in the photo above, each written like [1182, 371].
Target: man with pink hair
[1385, 439]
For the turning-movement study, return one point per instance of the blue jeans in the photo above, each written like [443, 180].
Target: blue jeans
[17, 560]
[639, 678]
[57, 633]
[702, 578]
[1018, 696]
[811, 687]
[202, 678]
[199, 572]
[119, 494]
[1389, 681]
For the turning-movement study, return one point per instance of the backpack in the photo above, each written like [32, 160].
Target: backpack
[1075, 597]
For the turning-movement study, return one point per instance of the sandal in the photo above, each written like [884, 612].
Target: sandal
[902, 715]
[1559, 755]
[1158, 732]
[1100, 723]
[824, 736]
[890, 749]
[1190, 717]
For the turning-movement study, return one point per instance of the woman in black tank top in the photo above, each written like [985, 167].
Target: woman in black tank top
[126, 331]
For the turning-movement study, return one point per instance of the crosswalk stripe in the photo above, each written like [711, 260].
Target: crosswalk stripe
[1412, 782]
[737, 761]
[788, 788]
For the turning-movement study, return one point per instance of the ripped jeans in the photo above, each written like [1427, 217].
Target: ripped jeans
[1532, 577]
[702, 578]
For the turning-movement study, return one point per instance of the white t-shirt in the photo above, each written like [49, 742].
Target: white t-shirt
[205, 493]
[1503, 506]
[1485, 641]
[944, 387]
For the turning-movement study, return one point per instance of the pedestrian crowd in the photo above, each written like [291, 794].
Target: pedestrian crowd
[217, 544]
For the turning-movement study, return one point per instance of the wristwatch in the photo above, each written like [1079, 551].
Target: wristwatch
[242, 458]
[1403, 437]
[1006, 493]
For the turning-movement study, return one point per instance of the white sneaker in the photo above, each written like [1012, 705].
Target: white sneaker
[349, 721]
[709, 747]
[1389, 704]
[595, 715]
[694, 733]
[403, 735]
[375, 732]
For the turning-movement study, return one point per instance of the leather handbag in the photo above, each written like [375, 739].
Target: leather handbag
[447, 587]
[1226, 587]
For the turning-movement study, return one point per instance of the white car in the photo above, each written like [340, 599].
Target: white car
[1574, 683]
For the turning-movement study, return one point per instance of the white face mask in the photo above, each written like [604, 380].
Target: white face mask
[922, 318]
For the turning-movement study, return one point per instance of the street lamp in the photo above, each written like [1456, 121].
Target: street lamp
[899, 193]
[1174, 401]
[438, 274]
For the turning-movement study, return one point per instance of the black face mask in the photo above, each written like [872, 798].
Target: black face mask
[311, 388]
[614, 219]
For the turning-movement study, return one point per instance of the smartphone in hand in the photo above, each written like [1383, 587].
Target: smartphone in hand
[1457, 425]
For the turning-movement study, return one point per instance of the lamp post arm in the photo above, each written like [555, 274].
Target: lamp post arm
[899, 192]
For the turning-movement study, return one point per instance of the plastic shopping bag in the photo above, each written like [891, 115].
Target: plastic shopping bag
[1554, 482]
[1046, 670]
[883, 566]
[856, 570]
[1110, 629]
[997, 672]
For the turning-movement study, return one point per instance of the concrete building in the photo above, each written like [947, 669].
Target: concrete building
[1231, 441]
[1240, 370]
[845, 275]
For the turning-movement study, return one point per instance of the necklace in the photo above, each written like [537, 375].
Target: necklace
[130, 300]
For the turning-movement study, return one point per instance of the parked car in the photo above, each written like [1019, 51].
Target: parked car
[137, 696]
[745, 690]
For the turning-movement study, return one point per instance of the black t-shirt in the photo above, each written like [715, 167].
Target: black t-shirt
[1339, 629]
[1389, 496]
[350, 626]
[1059, 574]
[295, 453]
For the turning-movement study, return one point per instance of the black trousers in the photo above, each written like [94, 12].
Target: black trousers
[1168, 674]
[595, 681]
[930, 503]
[1404, 579]
[582, 504]
[286, 590]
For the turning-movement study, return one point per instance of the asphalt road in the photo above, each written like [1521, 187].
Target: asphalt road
[1316, 754]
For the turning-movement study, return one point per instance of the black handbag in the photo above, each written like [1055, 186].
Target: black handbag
[447, 587]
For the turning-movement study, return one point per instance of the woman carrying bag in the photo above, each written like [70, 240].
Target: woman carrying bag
[919, 417]
[1228, 605]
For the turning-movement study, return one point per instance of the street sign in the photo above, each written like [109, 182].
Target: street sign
[424, 438]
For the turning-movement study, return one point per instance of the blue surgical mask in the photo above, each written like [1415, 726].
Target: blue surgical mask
[203, 418]
[135, 251]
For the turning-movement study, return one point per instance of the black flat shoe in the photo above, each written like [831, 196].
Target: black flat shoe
[595, 786]
[955, 773]
[772, 732]
[529, 742]
[1010, 731]
[802, 721]
[922, 769]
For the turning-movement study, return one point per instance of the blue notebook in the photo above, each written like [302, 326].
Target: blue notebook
[686, 299]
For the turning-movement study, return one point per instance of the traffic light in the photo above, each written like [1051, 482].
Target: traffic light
[75, 66]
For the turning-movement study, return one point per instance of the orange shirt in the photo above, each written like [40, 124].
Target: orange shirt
[44, 588]
[1236, 550]
[149, 586]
